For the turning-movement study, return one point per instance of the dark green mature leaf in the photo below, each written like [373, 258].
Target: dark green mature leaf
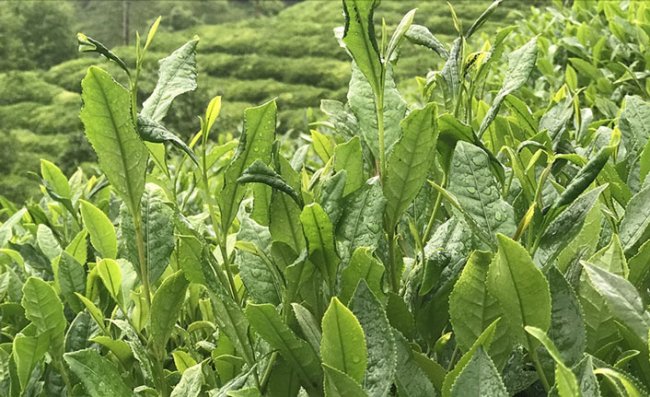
[359, 38]
[418, 34]
[622, 299]
[409, 162]
[566, 226]
[360, 99]
[472, 308]
[521, 289]
[348, 156]
[190, 383]
[361, 220]
[479, 378]
[153, 131]
[319, 232]
[410, 379]
[567, 330]
[635, 226]
[71, 277]
[231, 320]
[565, 380]
[257, 272]
[100, 228]
[97, 374]
[585, 176]
[110, 129]
[267, 323]
[27, 352]
[339, 384]
[177, 75]
[259, 172]
[477, 191]
[165, 308]
[634, 124]
[362, 266]
[44, 309]
[484, 341]
[158, 232]
[520, 65]
[343, 346]
[256, 142]
[382, 352]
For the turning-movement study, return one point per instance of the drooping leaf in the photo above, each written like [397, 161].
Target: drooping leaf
[109, 127]
[177, 75]
[97, 374]
[409, 162]
[382, 352]
[520, 288]
[88, 44]
[343, 346]
[480, 377]
[258, 172]
[418, 34]
[153, 131]
[255, 143]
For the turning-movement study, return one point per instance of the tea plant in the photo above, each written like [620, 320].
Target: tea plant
[465, 245]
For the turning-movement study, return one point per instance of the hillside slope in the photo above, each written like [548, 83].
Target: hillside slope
[292, 56]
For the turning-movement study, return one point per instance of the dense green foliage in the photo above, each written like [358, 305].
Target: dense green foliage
[482, 234]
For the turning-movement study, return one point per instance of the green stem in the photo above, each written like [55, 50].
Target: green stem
[144, 272]
[267, 373]
[434, 213]
[540, 370]
[392, 268]
[379, 108]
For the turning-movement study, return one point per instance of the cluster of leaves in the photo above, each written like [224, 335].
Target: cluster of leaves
[463, 246]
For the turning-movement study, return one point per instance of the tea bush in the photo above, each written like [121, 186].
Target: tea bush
[487, 237]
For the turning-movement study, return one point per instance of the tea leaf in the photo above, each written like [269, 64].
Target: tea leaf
[97, 374]
[409, 162]
[343, 346]
[479, 378]
[520, 288]
[177, 75]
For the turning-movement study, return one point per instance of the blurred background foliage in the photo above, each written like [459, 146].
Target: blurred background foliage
[250, 51]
